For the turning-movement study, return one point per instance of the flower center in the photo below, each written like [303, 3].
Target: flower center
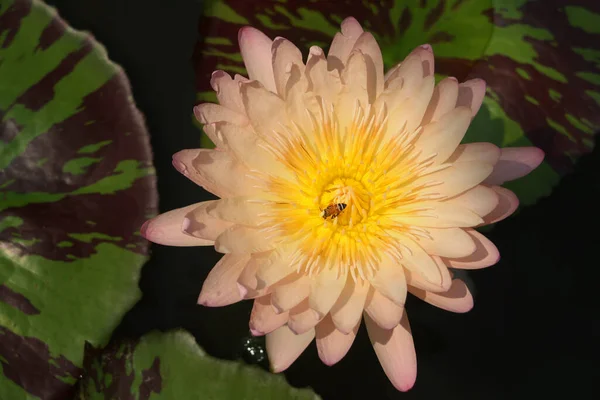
[345, 202]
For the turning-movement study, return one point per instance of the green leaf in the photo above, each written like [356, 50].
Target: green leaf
[172, 366]
[541, 63]
[76, 183]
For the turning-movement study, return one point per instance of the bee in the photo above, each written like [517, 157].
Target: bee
[332, 210]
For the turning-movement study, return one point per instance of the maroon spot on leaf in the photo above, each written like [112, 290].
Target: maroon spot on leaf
[434, 15]
[37, 95]
[27, 362]
[151, 380]
[51, 33]
[116, 361]
[10, 20]
[405, 21]
[17, 300]
[457, 4]
[441, 37]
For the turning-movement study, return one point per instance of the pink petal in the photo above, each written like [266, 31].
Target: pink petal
[255, 47]
[228, 91]
[442, 101]
[287, 296]
[485, 255]
[285, 53]
[242, 239]
[367, 44]
[481, 200]
[284, 347]
[333, 345]
[208, 113]
[263, 318]
[347, 311]
[457, 299]
[342, 43]
[481, 151]
[216, 171]
[325, 289]
[508, 202]
[514, 163]
[166, 228]
[416, 278]
[303, 318]
[471, 94]
[200, 224]
[396, 352]
[382, 310]
[220, 287]
[447, 242]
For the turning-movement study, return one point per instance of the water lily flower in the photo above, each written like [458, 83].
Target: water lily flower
[341, 189]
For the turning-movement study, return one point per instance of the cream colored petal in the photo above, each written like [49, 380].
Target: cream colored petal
[481, 200]
[215, 136]
[166, 228]
[485, 254]
[240, 210]
[255, 48]
[436, 214]
[431, 268]
[208, 113]
[354, 91]
[483, 152]
[471, 94]
[333, 345]
[250, 150]
[290, 295]
[456, 178]
[216, 171]
[342, 43]
[273, 267]
[425, 54]
[248, 281]
[325, 288]
[389, 279]
[442, 101]
[228, 91]
[457, 299]
[444, 136]
[508, 202]
[322, 82]
[284, 347]
[382, 310]
[303, 318]
[263, 318]
[408, 113]
[265, 110]
[285, 54]
[396, 352]
[367, 44]
[348, 309]
[447, 242]
[220, 287]
[198, 223]
[514, 163]
[242, 239]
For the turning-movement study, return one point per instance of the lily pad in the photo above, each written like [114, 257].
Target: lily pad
[541, 62]
[76, 182]
[172, 366]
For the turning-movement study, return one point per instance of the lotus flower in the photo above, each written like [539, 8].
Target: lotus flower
[341, 189]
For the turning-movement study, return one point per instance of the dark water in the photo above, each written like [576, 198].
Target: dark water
[534, 330]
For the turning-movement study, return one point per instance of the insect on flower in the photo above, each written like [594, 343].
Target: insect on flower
[333, 210]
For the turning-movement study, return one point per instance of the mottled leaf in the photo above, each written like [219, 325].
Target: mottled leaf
[76, 182]
[541, 61]
[172, 366]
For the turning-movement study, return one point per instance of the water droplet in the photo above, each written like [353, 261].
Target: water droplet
[254, 349]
